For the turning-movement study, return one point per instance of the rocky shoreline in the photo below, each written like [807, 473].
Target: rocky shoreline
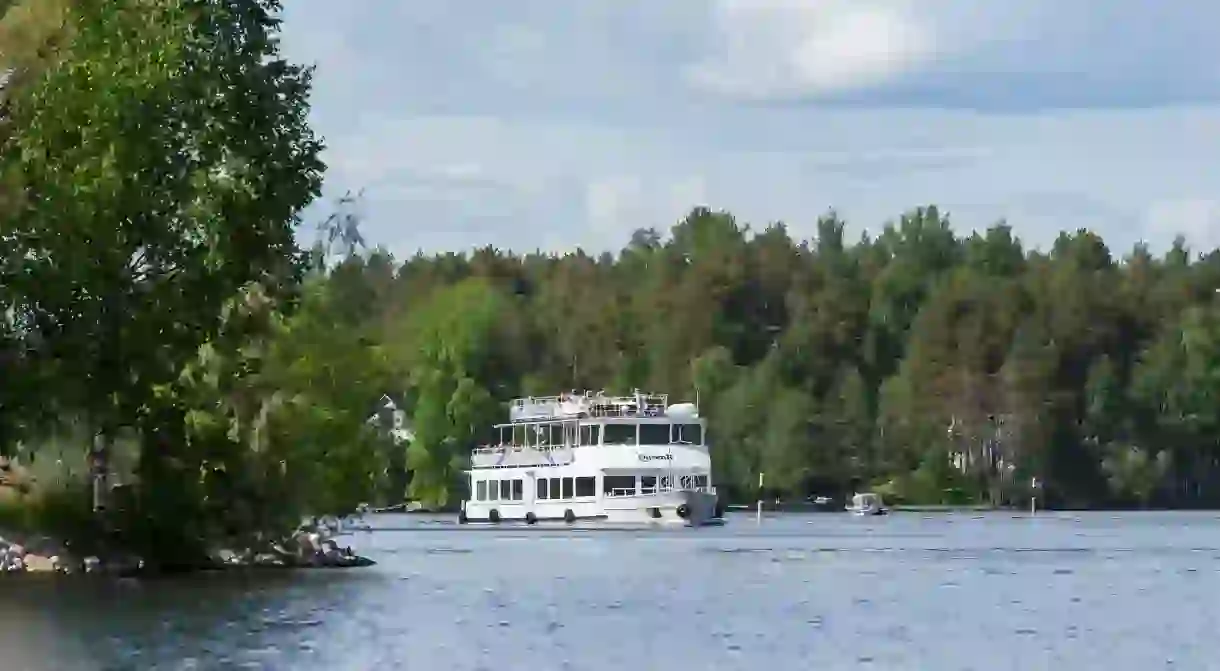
[17, 558]
[44, 556]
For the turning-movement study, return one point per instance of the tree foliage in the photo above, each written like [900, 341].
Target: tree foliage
[452, 370]
[155, 157]
[938, 367]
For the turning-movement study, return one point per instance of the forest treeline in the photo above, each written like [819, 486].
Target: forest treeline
[935, 367]
[171, 340]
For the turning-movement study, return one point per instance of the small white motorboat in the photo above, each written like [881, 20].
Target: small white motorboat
[867, 503]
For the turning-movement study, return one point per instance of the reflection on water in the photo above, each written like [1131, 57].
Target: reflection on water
[1090, 591]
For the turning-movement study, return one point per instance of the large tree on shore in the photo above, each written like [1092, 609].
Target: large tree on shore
[161, 161]
[154, 163]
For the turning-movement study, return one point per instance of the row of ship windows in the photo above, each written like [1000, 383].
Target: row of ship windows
[650, 434]
[577, 488]
[603, 434]
[548, 488]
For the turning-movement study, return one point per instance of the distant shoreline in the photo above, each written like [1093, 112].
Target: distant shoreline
[812, 508]
[840, 508]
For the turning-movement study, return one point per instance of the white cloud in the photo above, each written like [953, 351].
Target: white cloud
[547, 184]
[781, 48]
[541, 124]
[947, 53]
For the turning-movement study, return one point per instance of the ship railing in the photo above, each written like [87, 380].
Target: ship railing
[525, 401]
[533, 409]
[535, 400]
[652, 491]
[499, 449]
[640, 405]
[587, 396]
[615, 411]
[590, 403]
[683, 487]
[489, 449]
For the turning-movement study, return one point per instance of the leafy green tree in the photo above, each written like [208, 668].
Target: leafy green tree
[1134, 473]
[134, 215]
[452, 369]
[1179, 379]
[147, 203]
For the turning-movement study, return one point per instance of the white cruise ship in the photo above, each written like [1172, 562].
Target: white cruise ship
[621, 459]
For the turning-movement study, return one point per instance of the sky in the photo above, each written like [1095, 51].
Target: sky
[550, 124]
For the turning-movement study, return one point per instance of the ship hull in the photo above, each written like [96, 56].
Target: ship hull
[673, 508]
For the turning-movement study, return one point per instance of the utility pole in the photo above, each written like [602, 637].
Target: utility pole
[758, 508]
[99, 469]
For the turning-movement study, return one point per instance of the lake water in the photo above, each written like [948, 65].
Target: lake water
[910, 591]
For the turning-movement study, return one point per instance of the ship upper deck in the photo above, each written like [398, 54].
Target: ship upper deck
[588, 405]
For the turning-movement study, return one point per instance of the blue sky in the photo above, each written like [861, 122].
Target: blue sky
[550, 124]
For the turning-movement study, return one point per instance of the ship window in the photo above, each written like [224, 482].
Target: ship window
[688, 434]
[654, 434]
[619, 434]
[506, 490]
[589, 434]
[541, 485]
[618, 485]
[586, 487]
[554, 488]
[518, 490]
[493, 491]
[480, 489]
[700, 480]
[648, 484]
[567, 488]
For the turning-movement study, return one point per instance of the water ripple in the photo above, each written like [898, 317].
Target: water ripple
[1073, 591]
